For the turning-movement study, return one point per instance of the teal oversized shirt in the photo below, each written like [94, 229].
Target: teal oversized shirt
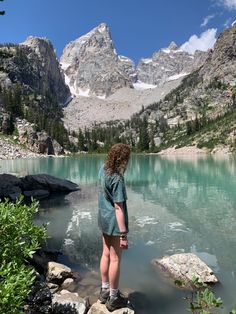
[111, 190]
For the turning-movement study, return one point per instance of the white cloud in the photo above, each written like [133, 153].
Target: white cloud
[207, 19]
[229, 4]
[204, 42]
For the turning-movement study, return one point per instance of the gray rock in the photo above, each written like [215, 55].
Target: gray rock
[53, 287]
[38, 194]
[69, 284]
[184, 267]
[98, 308]
[71, 302]
[9, 187]
[5, 122]
[47, 182]
[57, 272]
[39, 142]
[128, 66]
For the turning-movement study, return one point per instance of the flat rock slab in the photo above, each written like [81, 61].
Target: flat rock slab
[98, 308]
[184, 267]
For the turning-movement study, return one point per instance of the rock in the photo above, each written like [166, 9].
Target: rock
[9, 187]
[53, 287]
[5, 123]
[39, 142]
[68, 284]
[57, 148]
[57, 273]
[184, 267]
[47, 182]
[41, 258]
[69, 303]
[37, 194]
[38, 186]
[98, 308]
[39, 300]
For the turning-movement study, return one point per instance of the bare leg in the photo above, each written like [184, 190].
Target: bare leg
[115, 259]
[105, 259]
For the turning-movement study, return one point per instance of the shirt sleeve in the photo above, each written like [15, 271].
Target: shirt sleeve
[118, 190]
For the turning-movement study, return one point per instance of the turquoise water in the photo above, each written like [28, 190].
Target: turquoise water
[175, 205]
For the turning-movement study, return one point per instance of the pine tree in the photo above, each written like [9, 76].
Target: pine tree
[143, 135]
[81, 140]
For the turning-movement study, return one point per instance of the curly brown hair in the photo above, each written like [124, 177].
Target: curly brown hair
[117, 158]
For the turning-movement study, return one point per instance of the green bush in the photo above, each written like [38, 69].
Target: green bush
[19, 239]
[202, 299]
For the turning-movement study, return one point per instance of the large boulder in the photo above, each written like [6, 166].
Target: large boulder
[98, 308]
[184, 267]
[47, 182]
[9, 186]
[37, 186]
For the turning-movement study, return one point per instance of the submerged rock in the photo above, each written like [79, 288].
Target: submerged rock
[184, 267]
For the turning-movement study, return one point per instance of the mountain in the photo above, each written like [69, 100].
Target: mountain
[168, 64]
[93, 69]
[32, 88]
[200, 111]
[92, 65]
[34, 64]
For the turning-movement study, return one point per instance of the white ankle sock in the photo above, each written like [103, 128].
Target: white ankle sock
[105, 285]
[113, 292]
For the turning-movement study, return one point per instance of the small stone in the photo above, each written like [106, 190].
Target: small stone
[57, 273]
[68, 284]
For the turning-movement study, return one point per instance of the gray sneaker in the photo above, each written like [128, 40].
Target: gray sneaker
[117, 302]
[104, 295]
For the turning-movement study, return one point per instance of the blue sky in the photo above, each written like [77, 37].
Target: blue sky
[138, 27]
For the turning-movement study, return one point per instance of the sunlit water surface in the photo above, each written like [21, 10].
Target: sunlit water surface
[175, 205]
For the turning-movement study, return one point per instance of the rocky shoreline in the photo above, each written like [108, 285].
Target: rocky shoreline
[14, 151]
[58, 289]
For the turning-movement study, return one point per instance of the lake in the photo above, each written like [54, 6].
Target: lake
[175, 205]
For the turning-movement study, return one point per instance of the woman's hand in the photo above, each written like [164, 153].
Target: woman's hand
[124, 243]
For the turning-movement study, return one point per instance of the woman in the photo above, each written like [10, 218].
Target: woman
[113, 222]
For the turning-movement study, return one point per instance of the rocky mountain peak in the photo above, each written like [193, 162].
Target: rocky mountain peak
[41, 45]
[103, 28]
[221, 61]
[173, 46]
[46, 74]
[91, 64]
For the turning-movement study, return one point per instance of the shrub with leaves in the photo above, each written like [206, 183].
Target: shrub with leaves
[19, 239]
[203, 300]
